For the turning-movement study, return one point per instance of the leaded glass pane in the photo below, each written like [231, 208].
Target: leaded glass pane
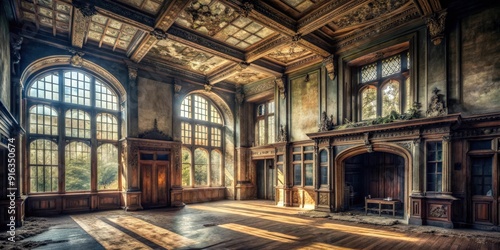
[77, 123]
[216, 137]
[105, 97]
[390, 98]
[200, 167]
[261, 110]
[186, 133]
[309, 174]
[200, 108]
[270, 129]
[369, 72]
[200, 135]
[43, 120]
[215, 115]
[107, 127]
[324, 175]
[76, 88]
[77, 172]
[270, 107]
[107, 167]
[369, 103]
[186, 167]
[391, 65]
[186, 107]
[262, 131]
[323, 156]
[297, 174]
[46, 87]
[215, 169]
[43, 164]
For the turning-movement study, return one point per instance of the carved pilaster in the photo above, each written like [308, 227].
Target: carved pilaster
[447, 164]
[436, 24]
[240, 95]
[132, 103]
[417, 171]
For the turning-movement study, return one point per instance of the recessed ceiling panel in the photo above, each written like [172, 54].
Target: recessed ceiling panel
[113, 33]
[212, 18]
[148, 6]
[247, 76]
[187, 57]
[48, 13]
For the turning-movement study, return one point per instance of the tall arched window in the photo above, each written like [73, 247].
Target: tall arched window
[201, 133]
[73, 133]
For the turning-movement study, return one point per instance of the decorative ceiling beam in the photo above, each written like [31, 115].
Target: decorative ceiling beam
[227, 72]
[310, 42]
[303, 63]
[203, 43]
[325, 14]
[264, 48]
[161, 25]
[122, 13]
[266, 15]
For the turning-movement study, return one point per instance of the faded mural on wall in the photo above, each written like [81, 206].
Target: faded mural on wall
[481, 78]
[304, 105]
[155, 102]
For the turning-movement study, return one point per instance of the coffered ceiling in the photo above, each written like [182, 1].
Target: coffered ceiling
[233, 41]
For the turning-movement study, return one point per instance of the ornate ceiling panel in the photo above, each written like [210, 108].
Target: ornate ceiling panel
[111, 32]
[48, 13]
[288, 53]
[247, 76]
[300, 5]
[148, 6]
[186, 57]
[223, 23]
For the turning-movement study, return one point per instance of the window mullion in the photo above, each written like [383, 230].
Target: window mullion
[93, 138]
[61, 139]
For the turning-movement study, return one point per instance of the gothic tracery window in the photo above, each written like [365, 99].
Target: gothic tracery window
[73, 118]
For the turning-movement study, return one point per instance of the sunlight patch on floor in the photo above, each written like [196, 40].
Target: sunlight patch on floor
[108, 236]
[285, 238]
[323, 246]
[367, 232]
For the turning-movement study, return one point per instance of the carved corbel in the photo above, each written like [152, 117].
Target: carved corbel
[208, 87]
[329, 65]
[76, 59]
[281, 87]
[132, 74]
[240, 95]
[177, 88]
[436, 24]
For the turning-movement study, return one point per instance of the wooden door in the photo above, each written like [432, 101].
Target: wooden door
[154, 180]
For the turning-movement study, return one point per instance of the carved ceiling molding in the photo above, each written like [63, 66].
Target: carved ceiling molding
[427, 7]
[268, 46]
[158, 34]
[79, 29]
[65, 60]
[325, 14]
[123, 14]
[358, 36]
[167, 17]
[143, 48]
[280, 83]
[313, 48]
[224, 73]
[204, 44]
[258, 87]
[368, 11]
[302, 63]
[86, 8]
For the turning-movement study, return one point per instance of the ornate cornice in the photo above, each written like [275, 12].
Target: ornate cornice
[224, 73]
[158, 34]
[273, 18]
[300, 64]
[315, 45]
[325, 14]
[264, 48]
[146, 44]
[436, 24]
[167, 17]
[258, 87]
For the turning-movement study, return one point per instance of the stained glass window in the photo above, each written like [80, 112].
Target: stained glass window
[390, 97]
[43, 120]
[391, 65]
[369, 103]
[44, 166]
[369, 72]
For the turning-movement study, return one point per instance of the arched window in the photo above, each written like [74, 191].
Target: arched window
[202, 137]
[384, 86]
[87, 130]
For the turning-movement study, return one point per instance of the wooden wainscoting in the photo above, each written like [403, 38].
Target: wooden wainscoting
[203, 194]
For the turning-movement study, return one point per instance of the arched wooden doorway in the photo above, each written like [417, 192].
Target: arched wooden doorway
[388, 176]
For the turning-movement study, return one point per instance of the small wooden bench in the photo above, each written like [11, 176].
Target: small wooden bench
[380, 202]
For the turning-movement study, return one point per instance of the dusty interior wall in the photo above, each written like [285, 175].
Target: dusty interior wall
[155, 102]
[481, 78]
[4, 60]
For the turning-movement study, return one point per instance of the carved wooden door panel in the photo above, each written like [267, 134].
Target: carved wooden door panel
[154, 179]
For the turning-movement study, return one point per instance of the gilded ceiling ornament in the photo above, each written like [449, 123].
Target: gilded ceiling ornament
[208, 87]
[329, 65]
[436, 105]
[87, 9]
[209, 16]
[243, 65]
[245, 9]
[159, 34]
[436, 25]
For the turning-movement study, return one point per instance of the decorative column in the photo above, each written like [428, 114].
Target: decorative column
[446, 189]
[132, 104]
[176, 172]
[417, 199]
[244, 187]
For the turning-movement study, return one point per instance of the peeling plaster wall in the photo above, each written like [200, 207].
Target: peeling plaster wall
[481, 62]
[155, 102]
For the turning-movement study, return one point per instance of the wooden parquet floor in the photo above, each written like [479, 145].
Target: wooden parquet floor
[253, 225]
